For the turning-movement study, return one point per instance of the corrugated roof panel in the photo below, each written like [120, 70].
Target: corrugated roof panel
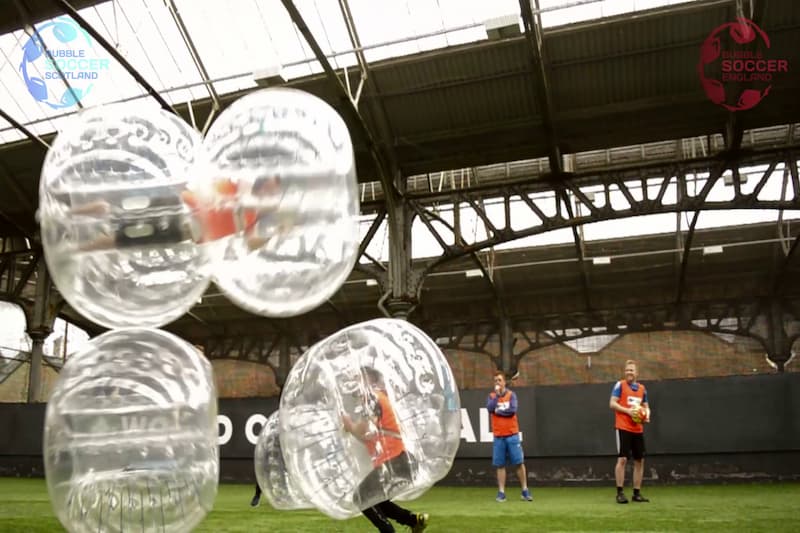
[448, 94]
[627, 60]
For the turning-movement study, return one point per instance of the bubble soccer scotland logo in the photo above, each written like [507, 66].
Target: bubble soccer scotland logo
[735, 68]
[73, 51]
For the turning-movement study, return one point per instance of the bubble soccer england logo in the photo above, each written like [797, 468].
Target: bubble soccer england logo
[734, 67]
[72, 51]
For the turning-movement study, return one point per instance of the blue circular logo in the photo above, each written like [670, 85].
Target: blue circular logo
[72, 51]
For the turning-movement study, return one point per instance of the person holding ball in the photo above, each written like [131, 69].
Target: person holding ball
[502, 404]
[631, 410]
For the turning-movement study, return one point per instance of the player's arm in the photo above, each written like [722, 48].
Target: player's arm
[491, 402]
[363, 427]
[96, 208]
[511, 410]
[614, 404]
[190, 199]
[359, 429]
[646, 405]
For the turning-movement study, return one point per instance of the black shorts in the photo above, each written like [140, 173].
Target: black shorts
[399, 469]
[630, 444]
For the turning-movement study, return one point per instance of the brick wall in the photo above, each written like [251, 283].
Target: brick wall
[661, 355]
[240, 379]
[15, 387]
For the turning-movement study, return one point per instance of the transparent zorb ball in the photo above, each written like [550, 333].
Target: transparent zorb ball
[130, 438]
[118, 237]
[279, 202]
[370, 413]
[271, 472]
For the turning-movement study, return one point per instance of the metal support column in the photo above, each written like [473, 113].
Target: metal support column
[39, 327]
[401, 297]
[779, 349]
[284, 362]
[507, 346]
[35, 375]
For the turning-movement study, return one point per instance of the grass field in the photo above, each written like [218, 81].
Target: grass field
[24, 507]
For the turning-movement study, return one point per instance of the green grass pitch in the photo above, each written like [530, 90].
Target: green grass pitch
[24, 508]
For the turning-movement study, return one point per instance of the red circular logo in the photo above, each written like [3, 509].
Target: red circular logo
[733, 67]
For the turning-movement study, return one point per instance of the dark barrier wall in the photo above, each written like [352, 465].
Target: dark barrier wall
[240, 422]
[22, 425]
[711, 415]
[754, 416]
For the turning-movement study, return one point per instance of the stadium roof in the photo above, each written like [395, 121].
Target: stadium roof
[175, 45]
[460, 112]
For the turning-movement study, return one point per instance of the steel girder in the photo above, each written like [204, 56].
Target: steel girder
[541, 92]
[646, 189]
[348, 106]
[399, 298]
[16, 269]
[108, 47]
[774, 323]
[377, 105]
[35, 139]
[714, 175]
[643, 188]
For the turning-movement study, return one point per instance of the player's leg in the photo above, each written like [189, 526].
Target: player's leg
[638, 467]
[619, 472]
[501, 482]
[400, 467]
[499, 459]
[516, 457]
[638, 474]
[416, 521]
[256, 497]
[378, 520]
[368, 488]
[623, 451]
[522, 474]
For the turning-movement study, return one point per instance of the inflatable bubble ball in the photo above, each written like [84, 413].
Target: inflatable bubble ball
[119, 238]
[371, 413]
[279, 202]
[271, 472]
[130, 438]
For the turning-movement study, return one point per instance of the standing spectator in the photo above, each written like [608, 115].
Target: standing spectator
[502, 404]
[629, 403]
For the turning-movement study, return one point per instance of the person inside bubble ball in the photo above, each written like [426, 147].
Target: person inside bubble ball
[266, 192]
[146, 217]
[223, 215]
[379, 431]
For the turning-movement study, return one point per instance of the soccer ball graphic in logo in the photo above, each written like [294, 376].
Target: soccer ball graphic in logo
[65, 40]
[741, 33]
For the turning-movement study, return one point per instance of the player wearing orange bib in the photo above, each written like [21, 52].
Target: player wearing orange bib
[627, 399]
[220, 216]
[380, 433]
[507, 448]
